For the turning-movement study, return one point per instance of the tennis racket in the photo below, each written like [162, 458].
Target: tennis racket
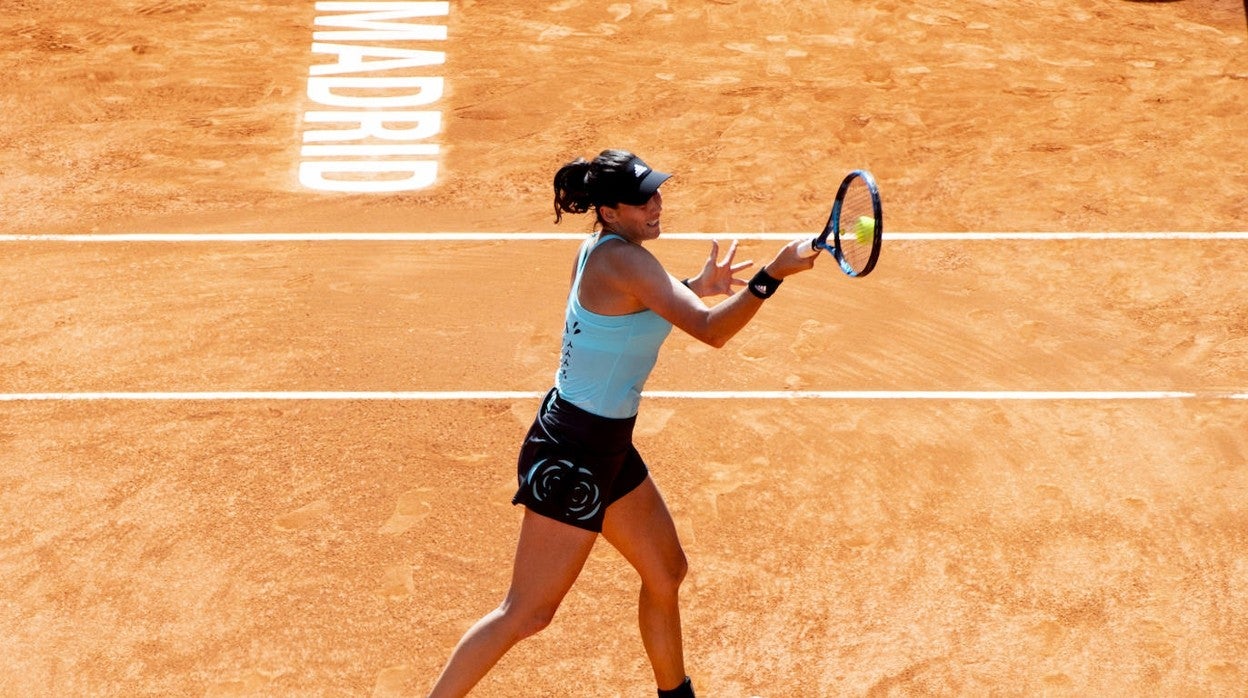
[856, 226]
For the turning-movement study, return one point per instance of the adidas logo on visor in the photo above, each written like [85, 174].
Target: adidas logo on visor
[639, 169]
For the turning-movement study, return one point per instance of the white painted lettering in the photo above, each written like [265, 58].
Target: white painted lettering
[351, 59]
[373, 125]
[373, 25]
[378, 142]
[368, 150]
[415, 174]
[427, 91]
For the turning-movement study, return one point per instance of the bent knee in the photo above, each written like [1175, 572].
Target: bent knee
[667, 580]
[680, 569]
[525, 621]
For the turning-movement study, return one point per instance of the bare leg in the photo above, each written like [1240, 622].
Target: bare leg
[641, 528]
[549, 557]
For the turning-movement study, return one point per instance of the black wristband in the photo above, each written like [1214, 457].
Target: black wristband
[764, 285]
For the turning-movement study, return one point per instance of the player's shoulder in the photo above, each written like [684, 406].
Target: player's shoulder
[619, 250]
[626, 261]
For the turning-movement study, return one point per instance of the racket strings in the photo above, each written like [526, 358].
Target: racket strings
[857, 225]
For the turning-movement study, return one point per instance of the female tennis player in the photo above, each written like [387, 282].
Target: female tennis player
[579, 474]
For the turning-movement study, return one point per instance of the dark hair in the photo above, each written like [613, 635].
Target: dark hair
[581, 184]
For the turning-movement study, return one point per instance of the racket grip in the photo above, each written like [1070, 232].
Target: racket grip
[806, 248]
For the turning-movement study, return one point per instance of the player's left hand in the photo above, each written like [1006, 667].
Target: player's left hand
[718, 276]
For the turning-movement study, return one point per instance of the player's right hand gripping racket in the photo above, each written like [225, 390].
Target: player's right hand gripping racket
[856, 226]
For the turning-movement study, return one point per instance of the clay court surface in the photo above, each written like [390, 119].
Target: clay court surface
[992, 537]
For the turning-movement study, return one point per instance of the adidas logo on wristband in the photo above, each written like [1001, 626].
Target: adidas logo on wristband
[764, 285]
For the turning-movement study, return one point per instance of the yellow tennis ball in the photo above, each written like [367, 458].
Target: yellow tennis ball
[864, 229]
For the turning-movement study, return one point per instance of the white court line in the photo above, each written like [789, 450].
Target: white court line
[529, 237]
[505, 395]
[417, 396]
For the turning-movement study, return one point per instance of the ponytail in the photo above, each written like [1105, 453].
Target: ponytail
[610, 178]
[572, 188]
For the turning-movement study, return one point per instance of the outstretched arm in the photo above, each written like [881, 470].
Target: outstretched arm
[642, 276]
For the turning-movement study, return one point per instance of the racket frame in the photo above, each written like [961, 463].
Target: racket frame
[833, 226]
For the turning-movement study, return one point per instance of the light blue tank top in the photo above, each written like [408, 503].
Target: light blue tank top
[606, 358]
